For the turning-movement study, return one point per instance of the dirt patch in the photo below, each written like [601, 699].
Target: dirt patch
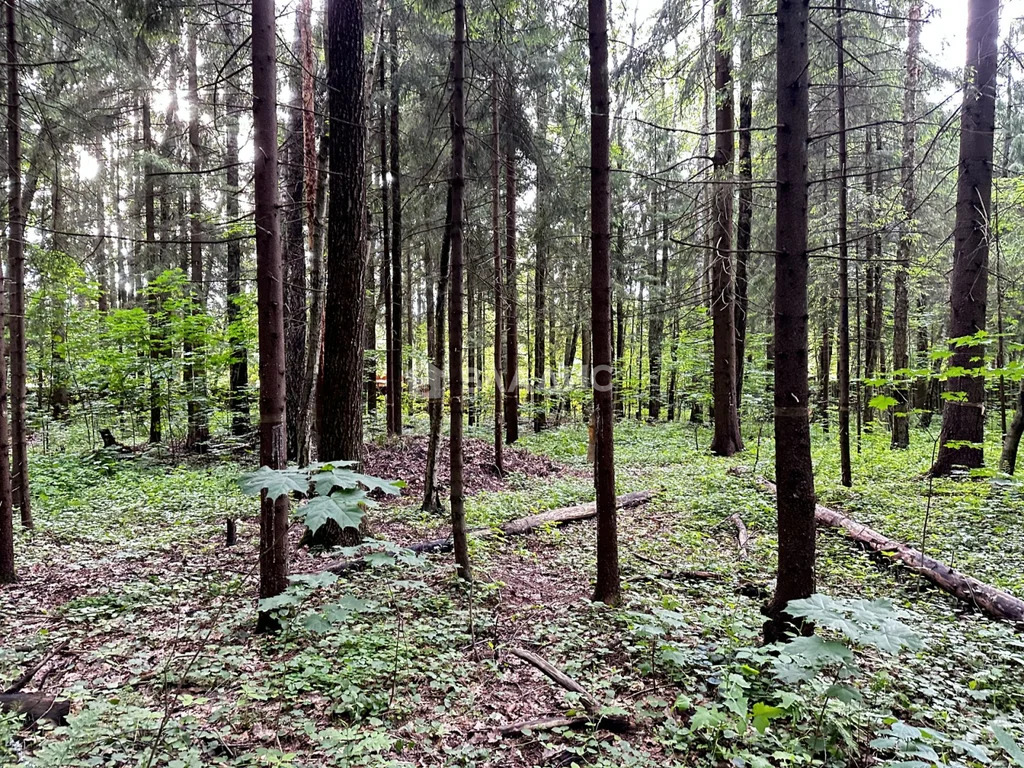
[406, 459]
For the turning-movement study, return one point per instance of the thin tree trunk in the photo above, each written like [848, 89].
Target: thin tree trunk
[963, 417]
[270, 300]
[607, 589]
[901, 283]
[395, 372]
[458, 107]
[499, 299]
[540, 275]
[745, 215]
[845, 470]
[727, 439]
[511, 301]
[295, 293]
[431, 493]
[391, 419]
[198, 424]
[17, 476]
[793, 469]
[152, 302]
[314, 335]
[238, 371]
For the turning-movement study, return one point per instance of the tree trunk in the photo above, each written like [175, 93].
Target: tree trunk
[15, 242]
[393, 415]
[238, 371]
[431, 493]
[727, 439]
[294, 266]
[607, 589]
[511, 301]
[845, 470]
[901, 283]
[745, 215]
[314, 336]
[540, 275]
[152, 302]
[341, 393]
[458, 108]
[198, 423]
[794, 471]
[963, 417]
[18, 474]
[872, 288]
[1011, 443]
[273, 433]
[499, 298]
[395, 345]
[656, 328]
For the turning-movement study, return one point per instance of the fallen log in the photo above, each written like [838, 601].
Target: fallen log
[991, 600]
[517, 527]
[36, 706]
[610, 722]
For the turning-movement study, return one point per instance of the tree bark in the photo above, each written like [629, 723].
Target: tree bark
[14, 242]
[607, 589]
[435, 406]
[845, 469]
[238, 370]
[198, 435]
[745, 214]
[458, 509]
[499, 298]
[152, 303]
[16, 272]
[796, 498]
[901, 283]
[963, 415]
[395, 380]
[393, 414]
[341, 436]
[540, 275]
[295, 293]
[270, 300]
[727, 440]
[511, 300]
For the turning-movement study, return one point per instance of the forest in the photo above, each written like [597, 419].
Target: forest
[400, 383]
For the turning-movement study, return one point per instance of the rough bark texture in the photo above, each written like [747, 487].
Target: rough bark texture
[16, 275]
[607, 589]
[845, 470]
[155, 431]
[901, 282]
[745, 213]
[963, 417]
[294, 256]
[792, 431]
[435, 406]
[499, 302]
[991, 600]
[540, 274]
[238, 374]
[511, 301]
[1011, 442]
[727, 439]
[269, 302]
[195, 371]
[395, 344]
[458, 183]
[341, 435]
[392, 407]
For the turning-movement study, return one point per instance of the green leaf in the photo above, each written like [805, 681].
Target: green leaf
[763, 714]
[843, 693]
[320, 509]
[276, 482]
[883, 402]
[1007, 742]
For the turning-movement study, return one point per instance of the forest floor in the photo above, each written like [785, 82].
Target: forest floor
[126, 575]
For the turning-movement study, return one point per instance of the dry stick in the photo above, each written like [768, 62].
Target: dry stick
[742, 535]
[32, 671]
[589, 702]
[991, 600]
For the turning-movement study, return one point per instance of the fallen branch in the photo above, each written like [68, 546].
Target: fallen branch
[36, 706]
[611, 722]
[518, 527]
[543, 724]
[32, 671]
[993, 601]
[742, 535]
